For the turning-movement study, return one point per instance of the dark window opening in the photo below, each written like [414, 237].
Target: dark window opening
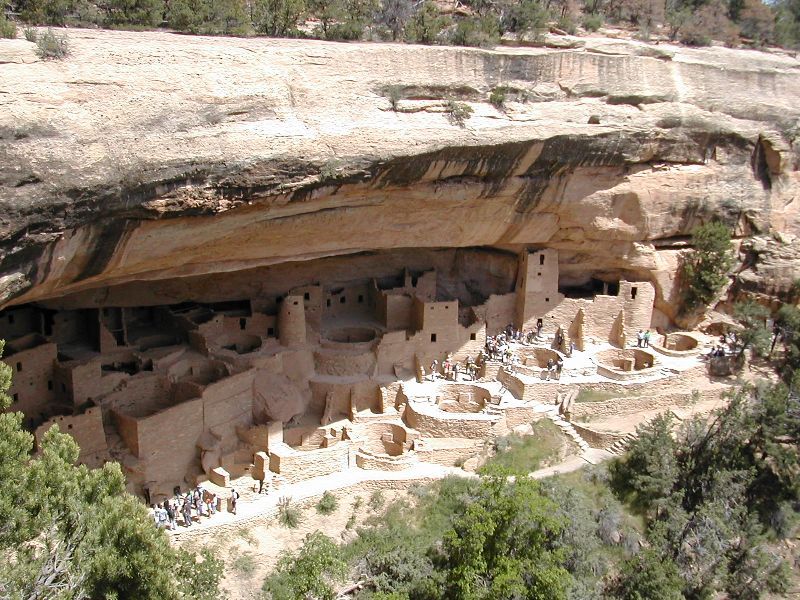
[279, 299]
[541, 259]
[538, 274]
[634, 290]
[50, 385]
[539, 322]
[473, 336]
[295, 303]
[328, 302]
[342, 300]
[547, 299]
[19, 366]
[270, 331]
[414, 281]
[433, 337]
[16, 397]
[242, 323]
[306, 296]
[360, 299]
[69, 426]
[446, 306]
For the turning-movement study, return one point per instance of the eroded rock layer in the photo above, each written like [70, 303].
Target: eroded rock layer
[149, 161]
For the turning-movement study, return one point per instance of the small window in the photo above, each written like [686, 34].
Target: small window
[19, 366]
[547, 299]
[328, 302]
[242, 324]
[342, 300]
[307, 296]
[433, 337]
[541, 259]
[295, 303]
[270, 331]
[414, 281]
[50, 385]
[633, 292]
[16, 397]
[538, 274]
[69, 426]
[360, 299]
[473, 336]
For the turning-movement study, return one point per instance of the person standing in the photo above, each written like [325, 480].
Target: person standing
[639, 339]
[647, 339]
[187, 512]
[234, 500]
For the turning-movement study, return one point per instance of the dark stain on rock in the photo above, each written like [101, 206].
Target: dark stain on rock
[111, 237]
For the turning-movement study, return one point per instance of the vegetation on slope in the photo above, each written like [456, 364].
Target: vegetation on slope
[687, 514]
[478, 22]
[70, 532]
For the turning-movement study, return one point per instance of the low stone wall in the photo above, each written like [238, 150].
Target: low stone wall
[597, 439]
[630, 405]
[371, 462]
[468, 426]
[450, 455]
[297, 465]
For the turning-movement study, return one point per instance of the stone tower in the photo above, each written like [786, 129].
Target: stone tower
[292, 321]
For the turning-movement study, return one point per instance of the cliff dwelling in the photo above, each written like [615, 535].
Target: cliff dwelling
[321, 367]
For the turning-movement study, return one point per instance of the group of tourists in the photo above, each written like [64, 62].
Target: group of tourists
[498, 348]
[728, 344]
[643, 339]
[194, 504]
[451, 369]
[554, 368]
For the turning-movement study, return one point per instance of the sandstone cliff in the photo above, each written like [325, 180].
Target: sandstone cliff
[154, 156]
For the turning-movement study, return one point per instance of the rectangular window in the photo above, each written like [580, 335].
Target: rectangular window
[342, 300]
[19, 366]
[328, 302]
[50, 385]
[242, 324]
[473, 336]
[360, 299]
[16, 397]
[270, 331]
[433, 337]
[541, 259]
[633, 292]
[306, 296]
[547, 299]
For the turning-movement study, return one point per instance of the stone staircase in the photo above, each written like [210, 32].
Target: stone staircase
[621, 445]
[551, 412]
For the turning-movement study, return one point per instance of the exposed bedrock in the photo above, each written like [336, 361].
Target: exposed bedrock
[152, 162]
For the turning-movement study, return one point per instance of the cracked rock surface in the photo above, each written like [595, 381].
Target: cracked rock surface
[154, 156]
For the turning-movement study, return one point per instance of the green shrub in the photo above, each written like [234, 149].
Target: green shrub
[310, 572]
[394, 93]
[8, 29]
[30, 34]
[705, 268]
[52, 46]
[376, 500]
[498, 97]
[327, 504]
[245, 564]
[592, 22]
[288, 515]
[458, 112]
[425, 24]
[477, 32]
[567, 24]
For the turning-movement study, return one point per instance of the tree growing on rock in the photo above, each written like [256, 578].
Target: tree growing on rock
[705, 269]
